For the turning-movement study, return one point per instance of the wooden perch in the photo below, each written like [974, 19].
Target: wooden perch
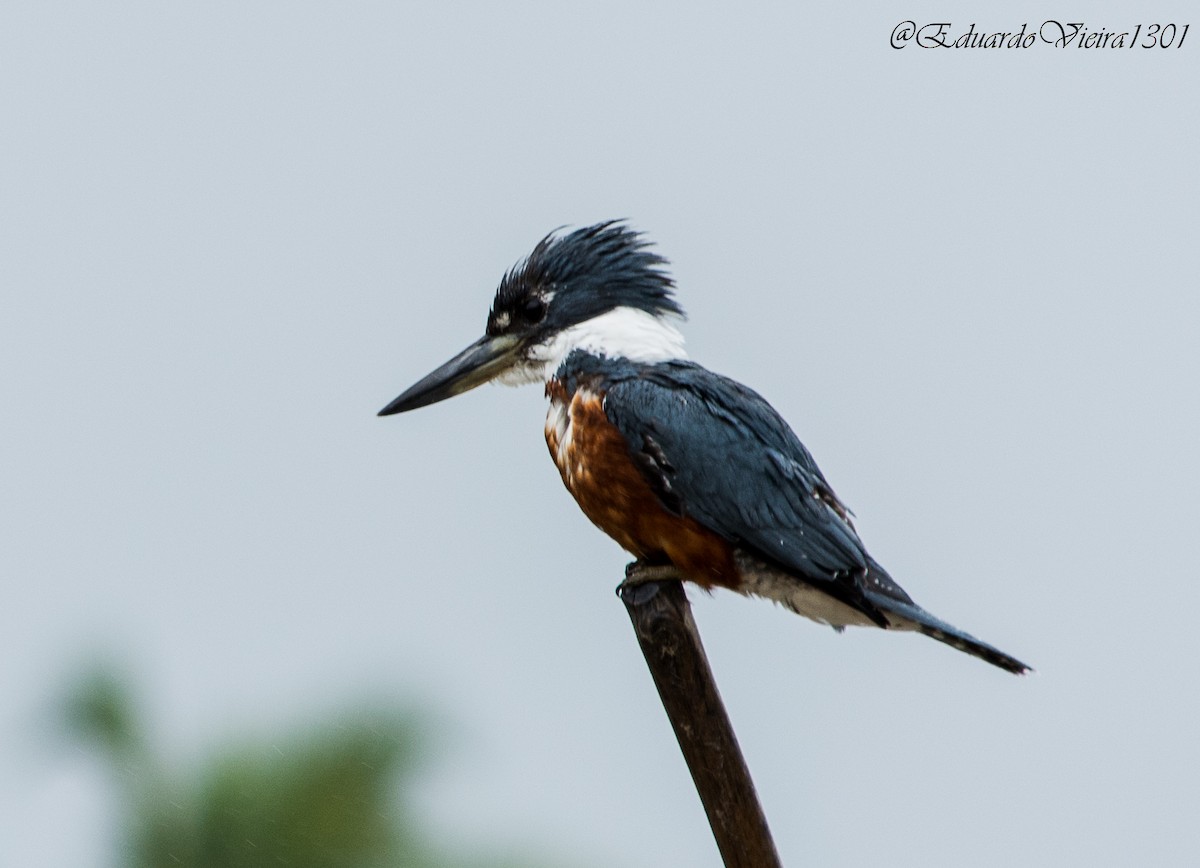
[662, 620]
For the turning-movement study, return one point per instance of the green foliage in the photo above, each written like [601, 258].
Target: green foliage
[324, 803]
[330, 798]
[99, 709]
[327, 801]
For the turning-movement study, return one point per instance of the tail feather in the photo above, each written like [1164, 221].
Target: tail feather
[899, 612]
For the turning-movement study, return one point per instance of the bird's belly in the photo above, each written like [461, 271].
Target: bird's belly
[761, 579]
[598, 469]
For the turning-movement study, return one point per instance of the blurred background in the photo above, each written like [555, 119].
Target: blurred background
[243, 621]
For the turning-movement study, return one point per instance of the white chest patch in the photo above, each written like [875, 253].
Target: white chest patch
[558, 430]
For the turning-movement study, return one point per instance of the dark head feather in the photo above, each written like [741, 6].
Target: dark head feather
[588, 272]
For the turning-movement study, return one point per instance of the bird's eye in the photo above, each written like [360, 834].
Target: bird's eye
[533, 311]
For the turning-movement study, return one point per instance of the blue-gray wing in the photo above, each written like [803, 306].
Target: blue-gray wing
[716, 451]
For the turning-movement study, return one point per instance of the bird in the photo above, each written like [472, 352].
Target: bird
[694, 474]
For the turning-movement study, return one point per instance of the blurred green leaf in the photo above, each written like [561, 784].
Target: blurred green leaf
[100, 709]
[331, 797]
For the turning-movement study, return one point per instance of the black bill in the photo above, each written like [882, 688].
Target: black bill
[477, 364]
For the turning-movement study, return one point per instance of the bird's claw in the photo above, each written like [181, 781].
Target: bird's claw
[640, 573]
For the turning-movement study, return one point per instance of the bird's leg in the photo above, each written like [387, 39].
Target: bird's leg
[640, 572]
[641, 580]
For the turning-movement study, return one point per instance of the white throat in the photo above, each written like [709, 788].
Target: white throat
[622, 333]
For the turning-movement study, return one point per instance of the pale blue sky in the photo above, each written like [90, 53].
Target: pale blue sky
[230, 233]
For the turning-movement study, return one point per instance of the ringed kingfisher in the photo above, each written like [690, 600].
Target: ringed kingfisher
[694, 474]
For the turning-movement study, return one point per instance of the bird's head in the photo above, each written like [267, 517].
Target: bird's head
[599, 289]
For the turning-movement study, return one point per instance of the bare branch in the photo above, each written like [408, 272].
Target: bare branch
[666, 631]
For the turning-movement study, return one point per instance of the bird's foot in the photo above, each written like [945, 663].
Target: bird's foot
[641, 573]
[641, 580]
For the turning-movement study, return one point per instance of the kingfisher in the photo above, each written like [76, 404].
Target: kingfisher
[694, 474]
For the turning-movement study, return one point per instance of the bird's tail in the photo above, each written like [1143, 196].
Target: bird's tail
[903, 614]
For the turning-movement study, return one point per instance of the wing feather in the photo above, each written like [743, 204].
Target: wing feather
[718, 452]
